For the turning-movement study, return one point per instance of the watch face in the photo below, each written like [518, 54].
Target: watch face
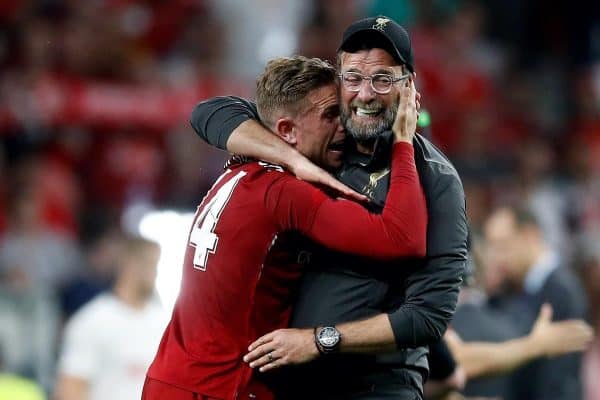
[329, 336]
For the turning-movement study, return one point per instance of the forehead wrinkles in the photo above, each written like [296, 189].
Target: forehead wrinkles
[320, 99]
[369, 60]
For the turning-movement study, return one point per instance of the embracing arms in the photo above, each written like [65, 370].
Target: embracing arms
[400, 229]
[423, 317]
[231, 123]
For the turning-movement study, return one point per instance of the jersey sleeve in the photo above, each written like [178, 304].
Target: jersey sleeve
[80, 355]
[342, 225]
[215, 119]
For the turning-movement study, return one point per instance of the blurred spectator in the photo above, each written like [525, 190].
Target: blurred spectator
[590, 269]
[35, 260]
[321, 31]
[537, 187]
[251, 44]
[535, 272]
[192, 166]
[32, 256]
[480, 359]
[110, 342]
[487, 343]
[459, 90]
[402, 11]
[127, 167]
[101, 246]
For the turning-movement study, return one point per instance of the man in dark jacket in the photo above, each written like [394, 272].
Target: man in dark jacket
[418, 297]
[534, 270]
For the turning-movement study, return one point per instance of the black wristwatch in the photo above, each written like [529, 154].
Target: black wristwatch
[327, 339]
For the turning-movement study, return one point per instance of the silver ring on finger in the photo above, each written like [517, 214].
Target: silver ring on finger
[270, 357]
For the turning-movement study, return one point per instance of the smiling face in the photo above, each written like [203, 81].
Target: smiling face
[317, 131]
[365, 114]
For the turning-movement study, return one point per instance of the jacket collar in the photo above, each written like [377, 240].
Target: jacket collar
[380, 156]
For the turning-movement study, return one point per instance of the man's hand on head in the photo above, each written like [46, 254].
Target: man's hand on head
[405, 124]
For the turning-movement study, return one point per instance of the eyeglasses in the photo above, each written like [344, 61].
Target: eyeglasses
[381, 83]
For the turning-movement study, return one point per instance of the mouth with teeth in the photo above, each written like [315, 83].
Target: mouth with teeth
[368, 112]
[337, 146]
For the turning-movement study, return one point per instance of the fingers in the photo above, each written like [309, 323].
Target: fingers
[269, 360]
[273, 363]
[260, 347]
[259, 353]
[347, 191]
[282, 347]
[578, 331]
[545, 314]
[261, 340]
[569, 336]
[266, 357]
[402, 106]
[263, 352]
[413, 92]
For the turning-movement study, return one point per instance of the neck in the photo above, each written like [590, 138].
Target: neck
[366, 146]
[127, 294]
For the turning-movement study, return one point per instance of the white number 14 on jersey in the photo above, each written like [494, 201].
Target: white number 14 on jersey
[203, 236]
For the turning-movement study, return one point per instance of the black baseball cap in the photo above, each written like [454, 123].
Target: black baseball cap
[379, 32]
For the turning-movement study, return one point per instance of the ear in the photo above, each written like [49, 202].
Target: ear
[284, 128]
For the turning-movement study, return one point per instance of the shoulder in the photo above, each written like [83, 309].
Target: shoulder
[260, 172]
[563, 290]
[93, 313]
[431, 159]
[270, 167]
[437, 173]
[564, 285]
[563, 277]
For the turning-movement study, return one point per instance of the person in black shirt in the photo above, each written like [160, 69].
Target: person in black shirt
[404, 307]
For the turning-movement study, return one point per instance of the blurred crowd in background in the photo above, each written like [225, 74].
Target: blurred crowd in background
[95, 98]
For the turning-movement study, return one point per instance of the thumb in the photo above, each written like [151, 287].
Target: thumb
[545, 314]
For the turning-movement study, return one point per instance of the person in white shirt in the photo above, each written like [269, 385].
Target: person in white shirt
[110, 342]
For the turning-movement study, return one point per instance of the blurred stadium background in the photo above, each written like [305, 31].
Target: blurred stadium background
[95, 97]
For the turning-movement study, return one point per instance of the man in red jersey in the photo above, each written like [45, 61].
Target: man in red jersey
[242, 259]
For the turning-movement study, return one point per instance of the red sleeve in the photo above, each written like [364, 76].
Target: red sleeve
[342, 225]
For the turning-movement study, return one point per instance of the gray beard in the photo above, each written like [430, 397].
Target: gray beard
[368, 132]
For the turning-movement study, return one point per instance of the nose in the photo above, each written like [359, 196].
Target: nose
[340, 127]
[366, 92]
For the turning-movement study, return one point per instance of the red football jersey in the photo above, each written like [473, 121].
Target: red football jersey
[238, 271]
